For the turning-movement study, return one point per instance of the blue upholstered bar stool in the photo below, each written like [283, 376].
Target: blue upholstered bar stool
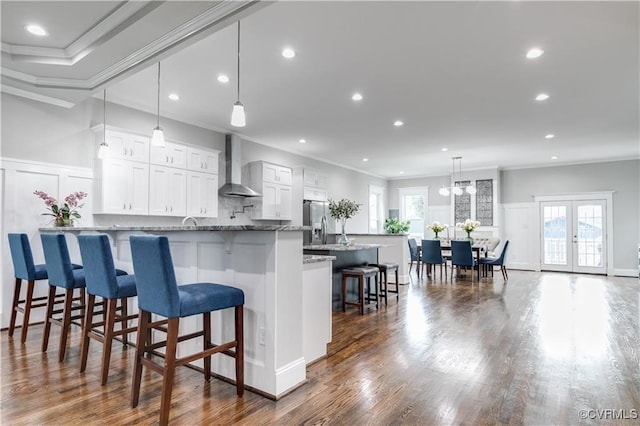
[25, 269]
[61, 274]
[159, 293]
[102, 280]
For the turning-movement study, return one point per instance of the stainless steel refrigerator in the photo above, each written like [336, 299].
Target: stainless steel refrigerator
[316, 215]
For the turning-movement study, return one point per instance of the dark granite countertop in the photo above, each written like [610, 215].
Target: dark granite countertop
[315, 258]
[339, 247]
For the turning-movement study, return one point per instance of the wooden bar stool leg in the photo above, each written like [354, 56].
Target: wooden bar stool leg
[169, 369]
[26, 311]
[66, 323]
[124, 324]
[108, 338]
[142, 337]
[47, 318]
[16, 302]
[361, 293]
[344, 293]
[206, 343]
[88, 324]
[239, 311]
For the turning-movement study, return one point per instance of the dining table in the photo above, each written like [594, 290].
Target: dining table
[445, 245]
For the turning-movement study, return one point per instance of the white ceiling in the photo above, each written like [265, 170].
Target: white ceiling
[454, 72]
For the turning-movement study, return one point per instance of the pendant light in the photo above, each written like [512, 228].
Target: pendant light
[158, 136]
[103, 149]
[456, 189]
[237, 115]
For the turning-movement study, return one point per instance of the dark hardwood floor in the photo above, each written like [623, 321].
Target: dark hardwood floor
[535, 350]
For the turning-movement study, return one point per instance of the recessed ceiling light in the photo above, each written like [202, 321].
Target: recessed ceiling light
[534, 52]
[356, 97]
[542, 97]
[223, 78]
[36, 30]
[445, 149]
[174, 97]
[550, 136]
[398, 123]
[288, 53]
[554, 157]
[302, 141]
[401, 173]
[365, 160]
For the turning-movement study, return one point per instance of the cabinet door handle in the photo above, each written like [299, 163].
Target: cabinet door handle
[171, 160]
[124, 206]
[171, 208]
[165, 208]
[205, 165]
[167, 160]
[125, 152]
[129, 206]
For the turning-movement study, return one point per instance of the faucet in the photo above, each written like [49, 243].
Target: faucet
[193, 219]
[233, 213]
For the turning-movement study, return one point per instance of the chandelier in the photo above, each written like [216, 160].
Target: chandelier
[456, 189]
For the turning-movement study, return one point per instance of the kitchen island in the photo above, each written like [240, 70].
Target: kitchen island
[346, 257]
[266, 262]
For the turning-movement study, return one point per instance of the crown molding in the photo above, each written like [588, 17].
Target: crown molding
[112, 25]
[207, 20]
[36, 96]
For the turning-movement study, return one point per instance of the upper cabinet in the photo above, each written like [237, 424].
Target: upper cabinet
[274, 183]
[202, 160]
[128, 146]
[315, 185]
[140, 179]
[171, 155]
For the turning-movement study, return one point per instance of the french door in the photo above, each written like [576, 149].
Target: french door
[574, 236]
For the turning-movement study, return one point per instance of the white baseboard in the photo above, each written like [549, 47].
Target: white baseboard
[290, 376]
[625, 272]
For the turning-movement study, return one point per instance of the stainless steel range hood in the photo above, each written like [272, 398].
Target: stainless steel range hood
[233, 155]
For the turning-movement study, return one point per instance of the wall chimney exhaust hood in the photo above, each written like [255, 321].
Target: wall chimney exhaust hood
[233, 155]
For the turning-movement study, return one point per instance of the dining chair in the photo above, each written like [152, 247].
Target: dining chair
[24, 269]
[497, 261]
[104, 280]
[415, 254]
[432, 255]
[462, 255]
[159, 293]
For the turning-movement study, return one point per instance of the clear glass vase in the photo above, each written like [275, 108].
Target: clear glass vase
[344, 240]
[469, 237]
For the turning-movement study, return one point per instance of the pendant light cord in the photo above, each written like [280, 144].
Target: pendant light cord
[238, 61]
[158, 94]
[104, 116]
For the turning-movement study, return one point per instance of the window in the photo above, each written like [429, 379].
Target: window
[479, 206]
[413, 207]
[376, 209]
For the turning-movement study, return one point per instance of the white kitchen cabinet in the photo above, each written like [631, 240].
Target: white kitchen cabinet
[315, 185]
[202, 160]
[202, 194]
[167, 191]
[172, 155]
[315, 179]
[127, 146]
[276, 174]
[122, 187]
[274, 183]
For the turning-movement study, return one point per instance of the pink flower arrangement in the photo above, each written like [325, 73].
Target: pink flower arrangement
[66, 214]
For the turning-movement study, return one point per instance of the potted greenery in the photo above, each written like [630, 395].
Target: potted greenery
[343, 210]
[393, 225]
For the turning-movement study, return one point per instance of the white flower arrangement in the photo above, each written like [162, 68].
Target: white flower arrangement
[437, 227]
[468, 225]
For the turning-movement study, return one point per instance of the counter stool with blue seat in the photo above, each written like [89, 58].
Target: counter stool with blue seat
[103, 280]
[385, 269]
[61, 274]
[25, 269]
[360, 273]
[159, 293]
